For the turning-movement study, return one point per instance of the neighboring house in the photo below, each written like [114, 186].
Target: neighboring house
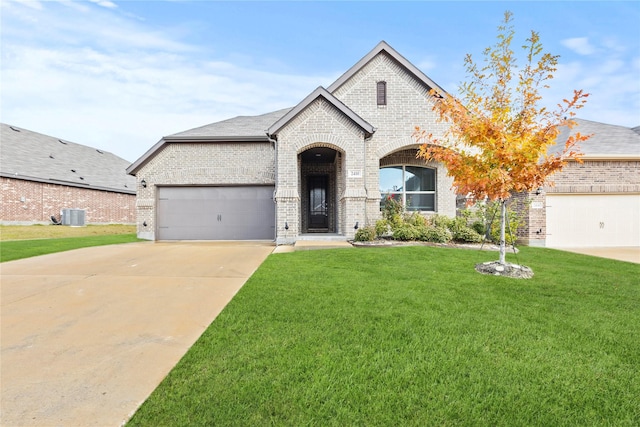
[320, 167]
[593, 203]
[43, 175]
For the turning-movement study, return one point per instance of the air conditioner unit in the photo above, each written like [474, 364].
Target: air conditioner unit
[73, 217]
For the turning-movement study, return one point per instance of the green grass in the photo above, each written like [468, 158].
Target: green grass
[18, 249]
[413, 336]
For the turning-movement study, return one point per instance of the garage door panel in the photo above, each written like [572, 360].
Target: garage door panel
[216, 213]
[593, 220]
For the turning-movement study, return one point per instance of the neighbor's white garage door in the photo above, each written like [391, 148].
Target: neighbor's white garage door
[216, 213]
[593, 220]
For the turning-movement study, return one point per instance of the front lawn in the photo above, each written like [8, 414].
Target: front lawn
[18, 249]
[413, 336]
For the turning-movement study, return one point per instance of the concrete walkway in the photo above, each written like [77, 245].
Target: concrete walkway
[88, 334]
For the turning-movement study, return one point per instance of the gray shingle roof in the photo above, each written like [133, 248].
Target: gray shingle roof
[606, 140]
[237, 127]
[36, 157]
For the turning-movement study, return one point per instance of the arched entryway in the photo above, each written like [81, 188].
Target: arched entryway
[319, 189]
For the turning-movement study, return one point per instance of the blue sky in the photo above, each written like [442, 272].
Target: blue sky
[119, 75]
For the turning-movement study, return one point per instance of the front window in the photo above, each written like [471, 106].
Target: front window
[413, 186]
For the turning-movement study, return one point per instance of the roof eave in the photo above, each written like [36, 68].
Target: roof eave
[623, 157]
[146, 157]
[202, 138]
[324, 93]
[66, 183]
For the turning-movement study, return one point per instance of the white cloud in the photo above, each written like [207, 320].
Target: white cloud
[579, 45]
[104, 3]
[120, 86]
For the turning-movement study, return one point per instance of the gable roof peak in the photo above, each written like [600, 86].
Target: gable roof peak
[383, 46]
[328, 96]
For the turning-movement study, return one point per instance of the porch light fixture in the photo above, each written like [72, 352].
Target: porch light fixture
[286, 225]
[144, 223]
[143, 183]
[355, 227]
[539, 191]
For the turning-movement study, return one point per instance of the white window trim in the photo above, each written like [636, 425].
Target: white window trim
[404, 192]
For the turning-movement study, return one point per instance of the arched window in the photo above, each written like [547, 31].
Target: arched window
[413, 186]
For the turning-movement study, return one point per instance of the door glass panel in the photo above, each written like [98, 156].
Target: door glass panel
[318, 201]
[318, 206]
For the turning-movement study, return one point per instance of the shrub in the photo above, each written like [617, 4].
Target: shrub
[404, 232]
[478, 227]
[365, 234]
[416, 220]
[382, 228]
[441, 221]
[466, 235]
[488, 213]
[392, 208]
[437, 235]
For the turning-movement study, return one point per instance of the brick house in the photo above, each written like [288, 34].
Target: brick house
[593, 203]
[319, 168]
[42, 175]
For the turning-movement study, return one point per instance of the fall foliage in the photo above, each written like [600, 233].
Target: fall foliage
[499, 134]
[498, 139]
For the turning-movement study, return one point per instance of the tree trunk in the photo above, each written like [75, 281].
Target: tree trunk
[503, 222]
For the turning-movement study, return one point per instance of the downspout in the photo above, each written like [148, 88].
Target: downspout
[366, 189]
[275, 191]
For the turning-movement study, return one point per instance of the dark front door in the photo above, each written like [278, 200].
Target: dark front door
[318, 202]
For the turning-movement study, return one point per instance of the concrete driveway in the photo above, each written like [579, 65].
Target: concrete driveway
[629, 253]
[88, 334]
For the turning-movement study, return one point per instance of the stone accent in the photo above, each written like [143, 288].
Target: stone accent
[31, 202]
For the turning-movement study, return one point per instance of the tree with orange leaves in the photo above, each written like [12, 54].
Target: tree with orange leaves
[498, 138]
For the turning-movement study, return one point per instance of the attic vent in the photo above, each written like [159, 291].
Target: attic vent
[51, 156]
[14, 129]
[73, 170]
[99, 151]
[381, 93]
[62, 142]
[82, 178]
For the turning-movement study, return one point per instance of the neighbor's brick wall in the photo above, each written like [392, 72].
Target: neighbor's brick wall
[248, 163]
[34, 202]
[597, 176]
[589, 177]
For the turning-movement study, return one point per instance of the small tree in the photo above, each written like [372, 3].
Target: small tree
[499, 135]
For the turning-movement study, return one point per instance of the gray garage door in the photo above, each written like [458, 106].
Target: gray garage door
[216, 213]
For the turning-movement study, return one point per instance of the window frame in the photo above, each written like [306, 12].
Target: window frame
[403, 193]
[381, 93]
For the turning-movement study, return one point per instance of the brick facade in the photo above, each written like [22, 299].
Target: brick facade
[353, 177]
[29, 202]
[200, 164]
